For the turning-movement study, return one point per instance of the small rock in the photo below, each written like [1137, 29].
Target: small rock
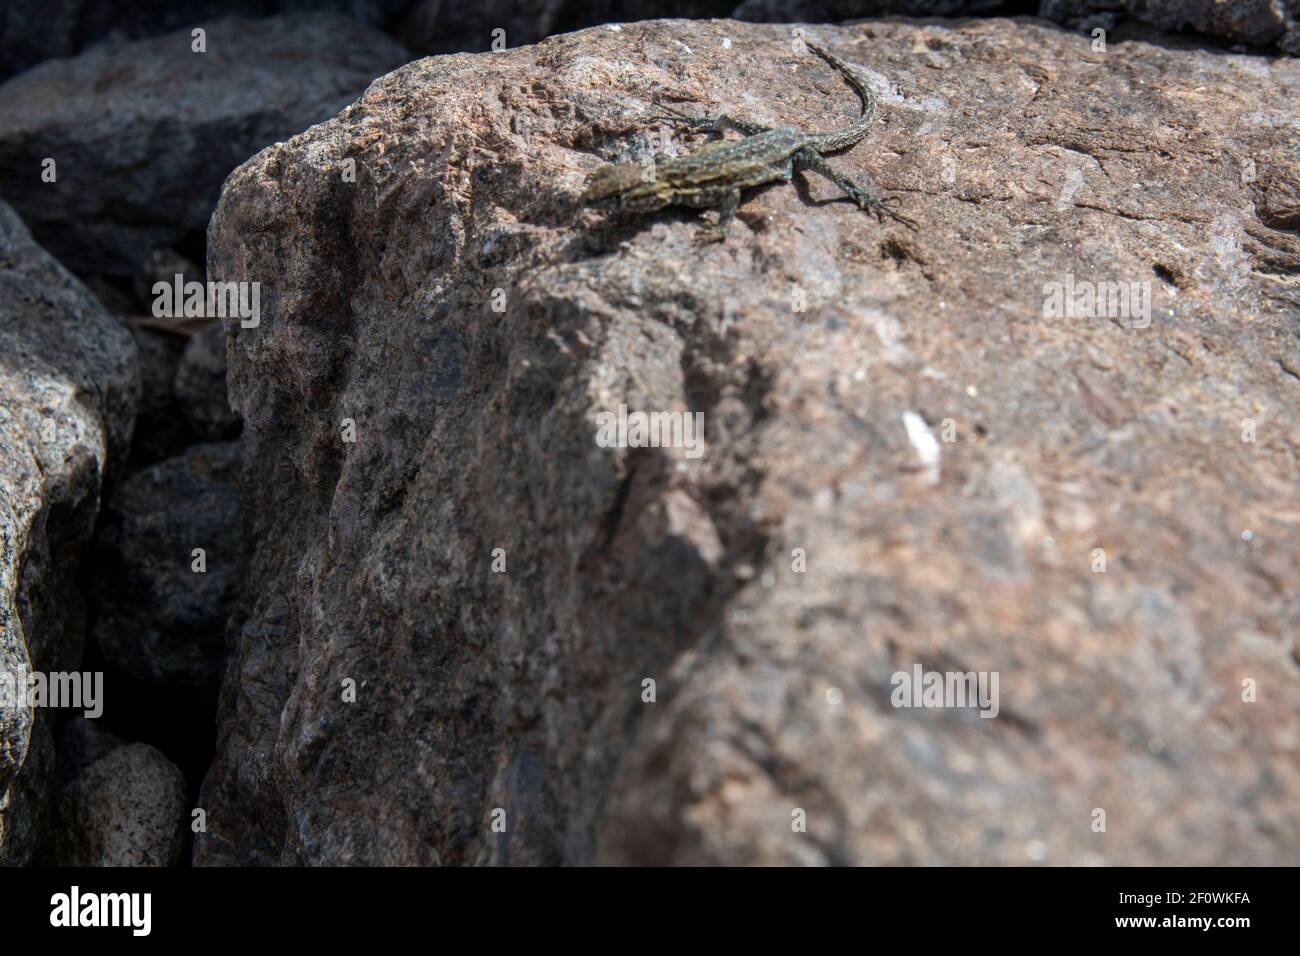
[126, 809]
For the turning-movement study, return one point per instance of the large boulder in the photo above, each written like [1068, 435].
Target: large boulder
[141, 134]
[68, 388]
[916, 457]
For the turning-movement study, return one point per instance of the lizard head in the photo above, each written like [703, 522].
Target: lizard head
[631, 186]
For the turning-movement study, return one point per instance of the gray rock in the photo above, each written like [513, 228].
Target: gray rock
[200, 385]
[68, 388]
[178, 122]
[35, 30]
[161, 430]
[126, 809]
[830, 537]
[155, 616]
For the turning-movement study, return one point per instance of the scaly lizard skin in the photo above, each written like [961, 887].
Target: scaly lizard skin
[714, 175]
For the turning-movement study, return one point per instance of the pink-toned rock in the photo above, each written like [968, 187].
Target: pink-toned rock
[910, 459]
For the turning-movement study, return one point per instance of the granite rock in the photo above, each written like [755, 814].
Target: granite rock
[912, 458]
[68, 391]
[126, 809]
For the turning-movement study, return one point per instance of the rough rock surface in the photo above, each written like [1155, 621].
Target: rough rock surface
[177, 122]
[126, 809]
[68, 387]
[154, 615]
[830, 536]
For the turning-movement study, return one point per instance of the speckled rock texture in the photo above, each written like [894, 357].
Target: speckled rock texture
[126, 809]
[155, 616]
[68, 391]
[140, 163]
[457, 595]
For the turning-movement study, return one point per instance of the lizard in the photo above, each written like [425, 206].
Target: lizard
[715, 174]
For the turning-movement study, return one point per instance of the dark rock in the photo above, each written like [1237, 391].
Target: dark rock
[32, 31]
[822, 11]
[115, 299]
[1256, 22]
[161, 430]
[161, 265]
[126, 809]
[200, 385]
[68, 388]
[82, 742]
[178, 122]
[155, 616]
[832, 357]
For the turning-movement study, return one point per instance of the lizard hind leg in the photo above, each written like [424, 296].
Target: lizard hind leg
[814, 162]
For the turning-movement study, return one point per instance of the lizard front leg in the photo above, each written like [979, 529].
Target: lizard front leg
[728, 203]
[814, 162]
[707, 124]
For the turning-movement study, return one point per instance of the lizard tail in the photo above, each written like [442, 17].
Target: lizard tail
[846, 137]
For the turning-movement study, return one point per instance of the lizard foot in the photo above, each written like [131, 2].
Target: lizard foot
[706, 235]
[883, 208]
